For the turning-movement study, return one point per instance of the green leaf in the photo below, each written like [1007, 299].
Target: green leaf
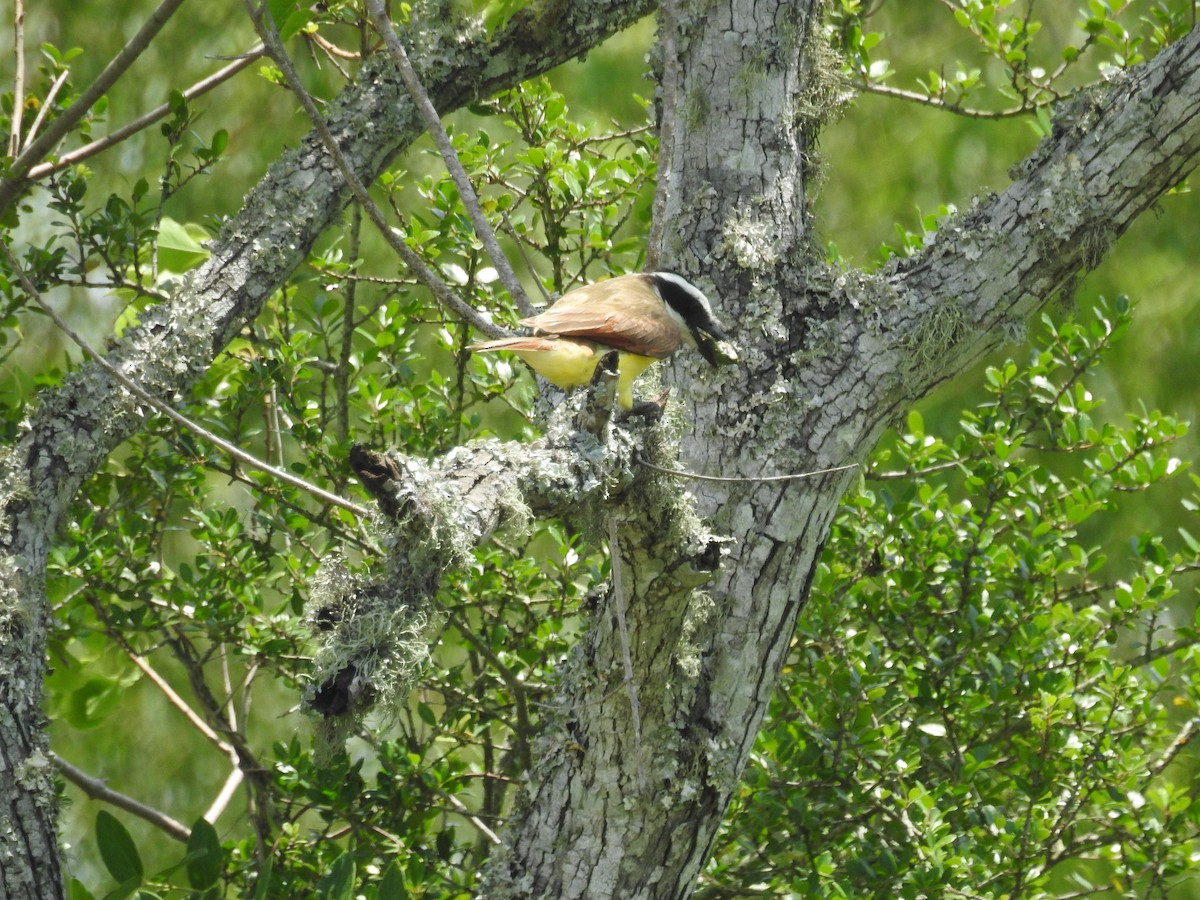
[179, 247]
[391, 885]
[289, 16]
[338, 883]
[117, 850]
[204, 868]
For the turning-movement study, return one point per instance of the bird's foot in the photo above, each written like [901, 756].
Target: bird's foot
[650, 410]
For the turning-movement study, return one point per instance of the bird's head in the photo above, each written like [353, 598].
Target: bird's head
[687, 304]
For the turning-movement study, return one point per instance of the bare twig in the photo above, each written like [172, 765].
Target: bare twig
[176, 417]
[342, 370]
[902, 474]
[238, 762]
[969, 112]
[518, 689]
[14, 136]
[10, 186]
[433, 122]
[735, 479]
[333, 49]
[47, 104]
[159, 112]
[228, 789]
[1186, 735]
[175, 699]
[441, 292]
[97, 789]
[471, 817]
[512, 233]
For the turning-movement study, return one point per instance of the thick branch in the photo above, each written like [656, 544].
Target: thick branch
[373, 633]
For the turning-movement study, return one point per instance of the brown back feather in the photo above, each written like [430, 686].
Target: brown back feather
[641, 326]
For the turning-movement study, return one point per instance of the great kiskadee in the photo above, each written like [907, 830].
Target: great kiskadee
[645, 316]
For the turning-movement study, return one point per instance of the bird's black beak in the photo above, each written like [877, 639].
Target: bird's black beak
[714, 345]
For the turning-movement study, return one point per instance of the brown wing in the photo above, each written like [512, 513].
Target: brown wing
[624, 313]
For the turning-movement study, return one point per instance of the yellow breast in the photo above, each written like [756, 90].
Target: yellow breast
[568, 365]
[571, 364]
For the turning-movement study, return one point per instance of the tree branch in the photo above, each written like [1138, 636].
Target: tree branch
[13, 183]
[98, 789]
[433, 124]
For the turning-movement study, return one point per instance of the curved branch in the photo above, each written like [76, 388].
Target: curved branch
[98, 789]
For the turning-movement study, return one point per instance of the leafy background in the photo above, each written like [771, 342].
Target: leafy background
[980, 677]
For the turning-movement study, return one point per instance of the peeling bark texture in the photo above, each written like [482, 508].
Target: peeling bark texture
[830, 360]
[74, 428]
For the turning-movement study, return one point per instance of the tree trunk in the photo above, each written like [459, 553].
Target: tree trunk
[829, 360]
[29, 863]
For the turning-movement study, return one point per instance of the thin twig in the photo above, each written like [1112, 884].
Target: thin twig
[228, 789]
[433, 122]
[1186, 734]
[512, 233]
[333, 49]
[734, 479]
[98, 789]
[903, 474]
[167, 410]
[441, 292]
[343, 370]
[10, 186]
[159, 112]
[175, 699]
[47, 104]
[471, 817]
[515, 687]
[14, 136]
[969, 112]
[618, 592]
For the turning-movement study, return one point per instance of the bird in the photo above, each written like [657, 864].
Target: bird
[645, 316]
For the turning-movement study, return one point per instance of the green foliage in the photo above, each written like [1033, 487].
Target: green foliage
[187, 576]
[978, 700]
[1010, 62]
